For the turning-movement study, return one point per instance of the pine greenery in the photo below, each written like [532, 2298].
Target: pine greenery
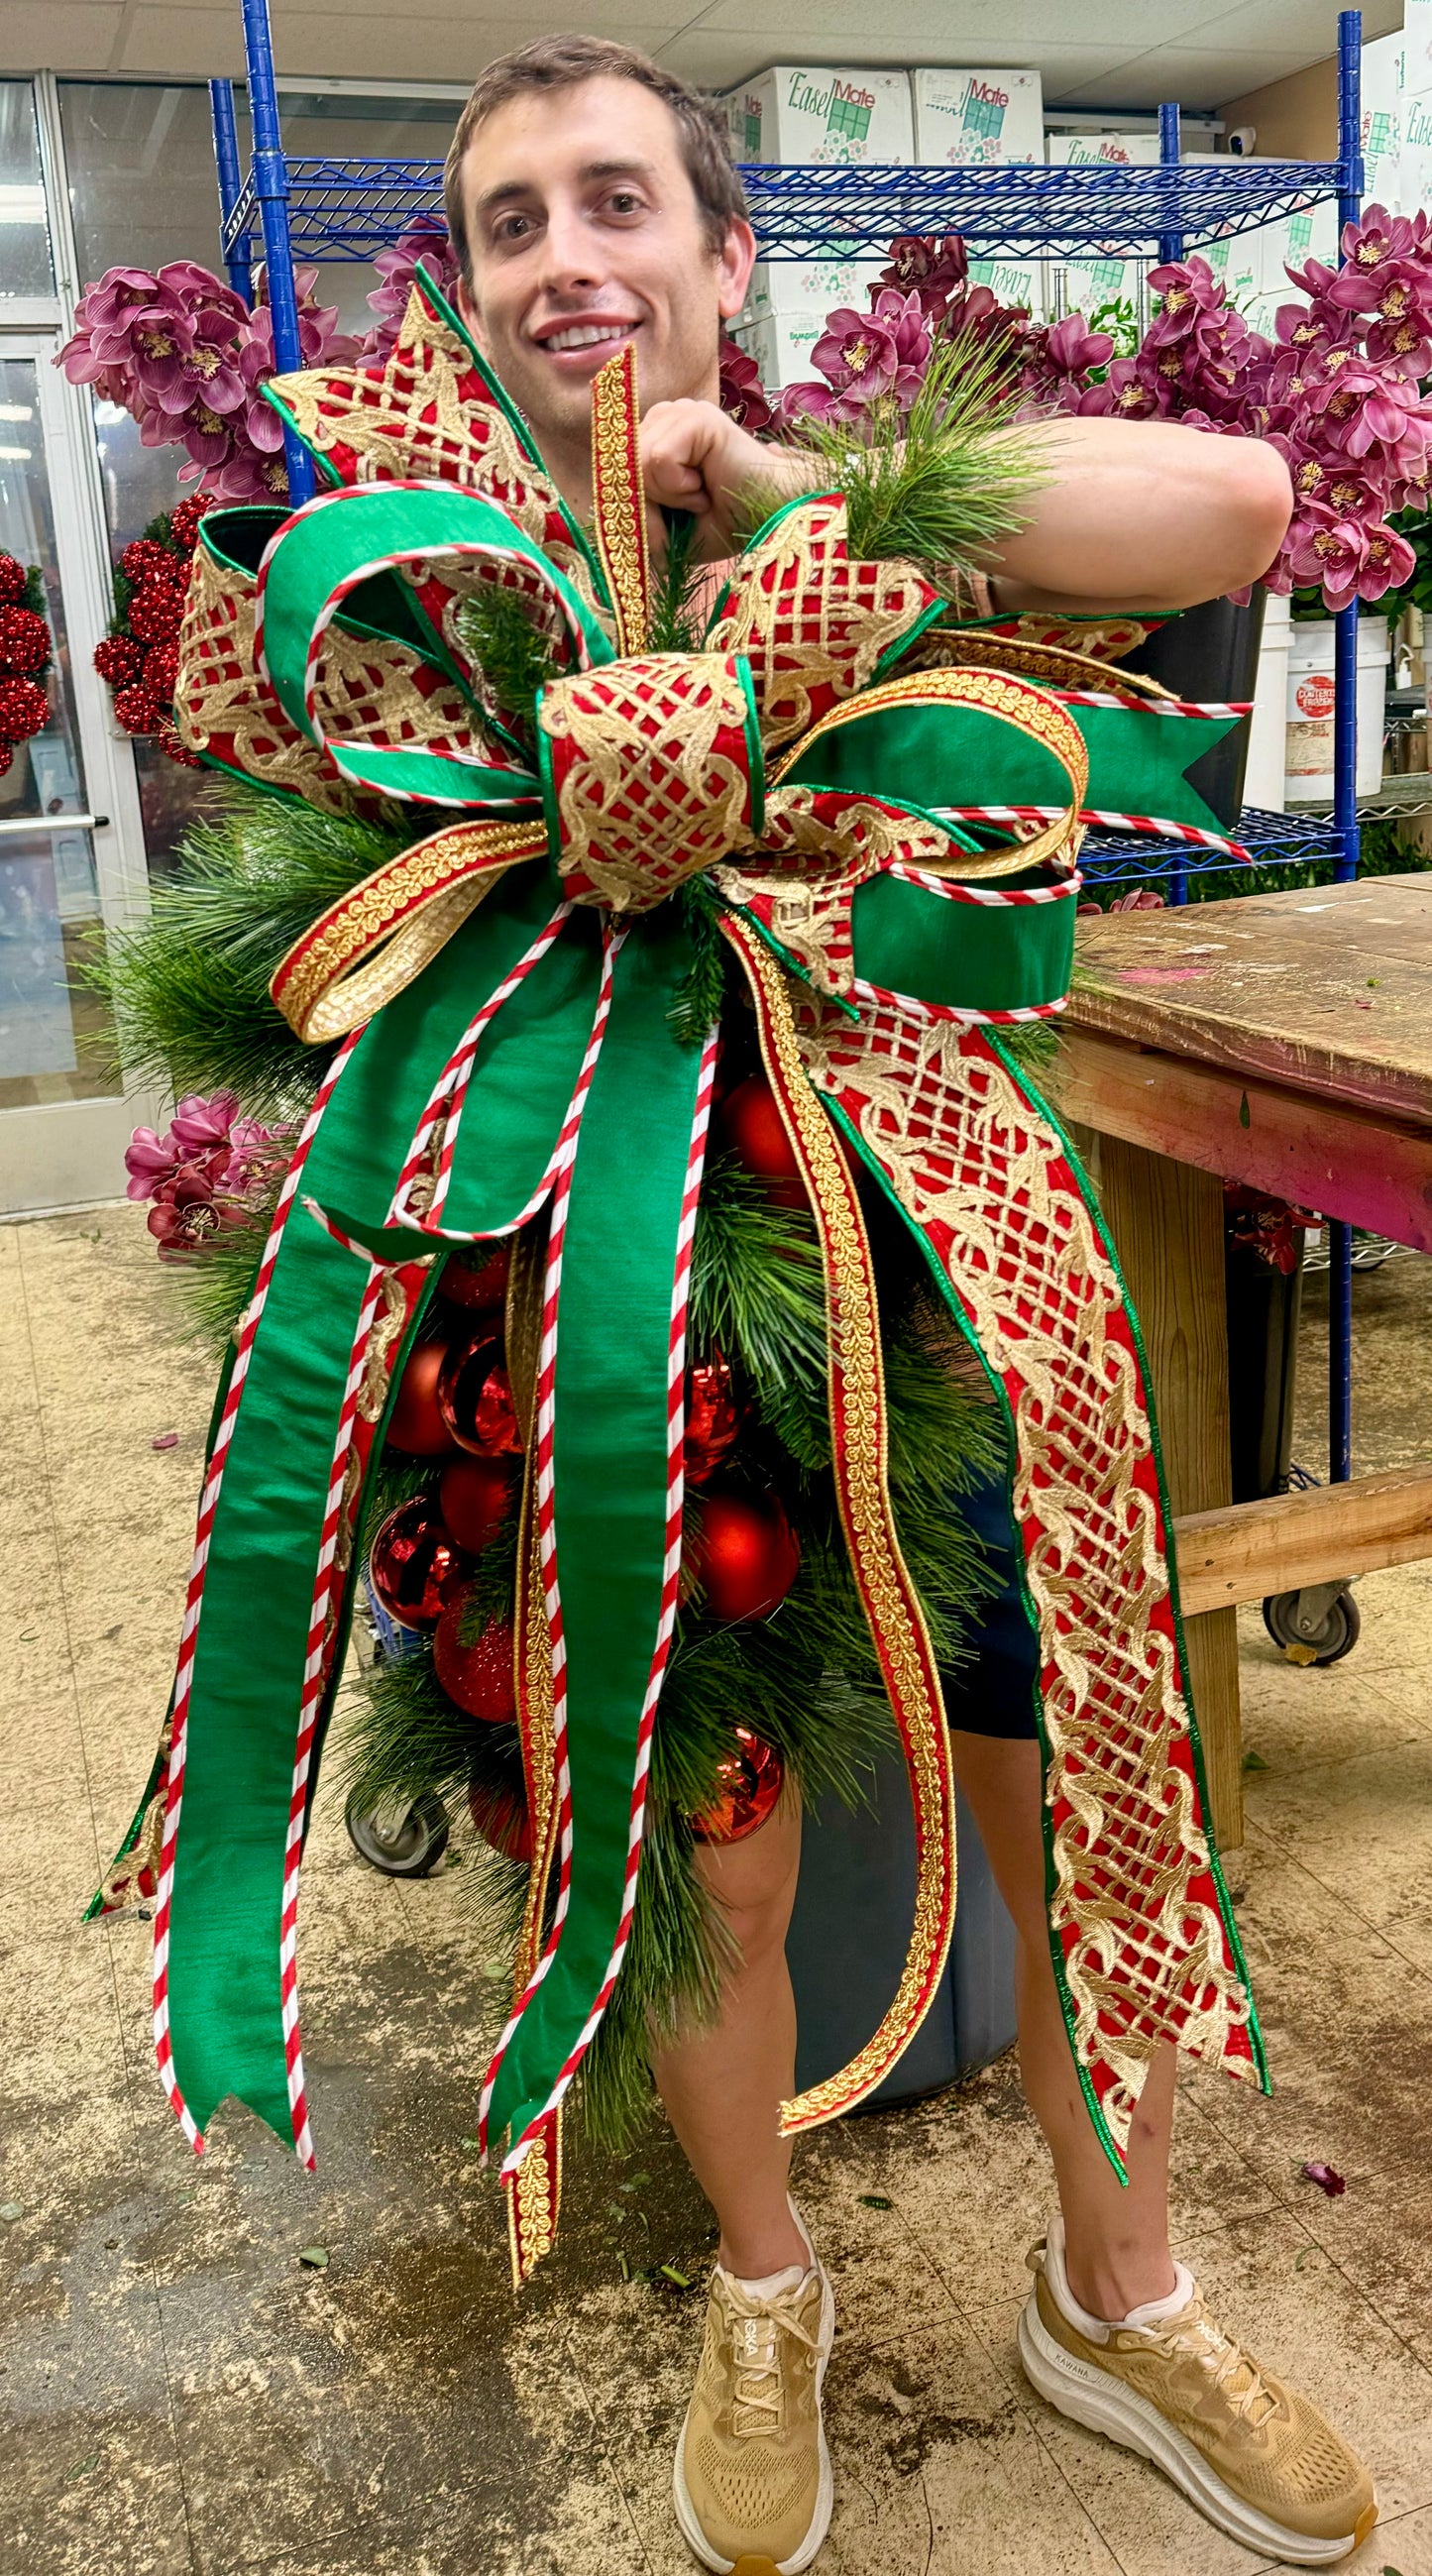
[188, 988]
[938, 485]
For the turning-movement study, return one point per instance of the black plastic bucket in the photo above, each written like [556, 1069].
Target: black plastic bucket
[849, 1934]
[1211, 653]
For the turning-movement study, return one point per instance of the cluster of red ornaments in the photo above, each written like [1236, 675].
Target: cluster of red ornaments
[140, 655]
[25, 651]
[454, 1407]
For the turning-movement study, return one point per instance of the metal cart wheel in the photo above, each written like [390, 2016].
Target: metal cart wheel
[1322, 1616]
[408, 1846]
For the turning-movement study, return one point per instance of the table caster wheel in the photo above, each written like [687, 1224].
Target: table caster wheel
[401, 1846]
[1321, 1618]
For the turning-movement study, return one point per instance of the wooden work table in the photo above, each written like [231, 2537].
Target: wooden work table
[1285, 1041]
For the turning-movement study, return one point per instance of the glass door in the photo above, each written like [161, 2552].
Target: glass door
[64, 884]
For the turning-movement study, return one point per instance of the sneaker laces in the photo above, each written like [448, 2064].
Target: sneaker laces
[757, 2325]
[1228, 2373]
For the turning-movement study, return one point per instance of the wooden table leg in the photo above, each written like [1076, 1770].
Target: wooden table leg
[1166, 1219]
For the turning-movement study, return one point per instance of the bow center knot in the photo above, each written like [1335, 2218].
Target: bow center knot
[652, 771]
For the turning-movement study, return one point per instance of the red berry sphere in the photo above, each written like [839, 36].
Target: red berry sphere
[184, 521]
[752, 1126]
[477, 1675]
[136, 710]
[415, 1424]
[745, 1555]
[146, 560]
[24, 709]
[119, 660]
[161, 672]
[24, 640]
[12, 580]
[156, 612]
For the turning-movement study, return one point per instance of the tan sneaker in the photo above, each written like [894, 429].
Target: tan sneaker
[1254, 2457]
[753, 2484]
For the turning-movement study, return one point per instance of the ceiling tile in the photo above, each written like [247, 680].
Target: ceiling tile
[68, 36]
[1195, 79]
[365, 40]
[1308, 28]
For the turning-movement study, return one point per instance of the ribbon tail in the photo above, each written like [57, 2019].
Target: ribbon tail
[1141, 1931]
[891, 1603]
[533, 2192]
[275, 1535]
[609, 1498]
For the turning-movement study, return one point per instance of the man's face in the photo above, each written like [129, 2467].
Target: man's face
[585, 233]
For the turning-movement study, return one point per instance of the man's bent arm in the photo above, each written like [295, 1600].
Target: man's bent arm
[1133, 513]
[1143, 514]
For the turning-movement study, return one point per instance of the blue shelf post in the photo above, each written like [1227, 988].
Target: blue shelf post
[226, 161]
[1171, 248]
[1346, 832]
[270, 178]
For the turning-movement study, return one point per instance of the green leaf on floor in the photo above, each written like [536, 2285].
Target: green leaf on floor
[874, 2200]
[1253, 1761]
[314, 2258]
[10, 2210]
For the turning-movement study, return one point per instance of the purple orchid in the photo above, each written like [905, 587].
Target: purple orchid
[428, 240]
[867, 356]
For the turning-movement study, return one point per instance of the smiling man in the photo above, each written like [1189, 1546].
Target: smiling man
[593, 204]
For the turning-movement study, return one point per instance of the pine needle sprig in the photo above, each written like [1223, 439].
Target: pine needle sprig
[500, 634]
[188, 988]
[940, 485]
[697, 1006]
[756, 1283]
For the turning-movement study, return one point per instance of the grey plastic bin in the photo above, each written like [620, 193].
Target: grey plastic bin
[848, 1937]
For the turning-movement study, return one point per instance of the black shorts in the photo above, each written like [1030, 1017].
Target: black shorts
[992, 1690]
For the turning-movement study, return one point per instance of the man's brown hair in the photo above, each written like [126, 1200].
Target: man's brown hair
[563, 62]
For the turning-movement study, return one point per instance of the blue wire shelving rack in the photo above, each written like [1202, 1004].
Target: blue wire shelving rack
[322, 210]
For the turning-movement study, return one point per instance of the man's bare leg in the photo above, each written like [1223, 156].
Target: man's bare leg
[723, 2084]
[1116, 2235]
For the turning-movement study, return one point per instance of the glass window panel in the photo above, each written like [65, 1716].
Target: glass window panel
[46, 776]
[49, 905]
[25, 264]
[56, 1036]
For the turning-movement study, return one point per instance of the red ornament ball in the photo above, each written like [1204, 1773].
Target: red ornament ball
[413, 1565]
[7, 757]
[475, 1497]
[24, 709]
[500, 1815]
[745, 1555]
[146, 560]
[161, 672]
[752, 1779]
[752, 1126]
[136, 710]
[476, 1282]
[713, 1419]
[24, 640]
[12, 580]
[415, 1423]
[156, 612]
[119, 659]
[477, 1674]
[475, 1399]
[184, 521]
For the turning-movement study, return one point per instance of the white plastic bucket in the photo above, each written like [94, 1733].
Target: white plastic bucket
[1310, 708]
[1264, 781]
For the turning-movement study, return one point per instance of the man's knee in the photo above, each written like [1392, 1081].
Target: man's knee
[752, 1883]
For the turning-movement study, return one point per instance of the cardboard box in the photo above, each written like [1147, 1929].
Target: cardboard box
[796, 113]
[781, 344]
[1014, 282]
[803, 286]
[978, 117]
[1382, 68]
[1097, 280]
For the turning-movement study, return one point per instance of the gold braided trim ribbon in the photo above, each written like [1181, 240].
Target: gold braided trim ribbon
[856, 1382]
[618, 500]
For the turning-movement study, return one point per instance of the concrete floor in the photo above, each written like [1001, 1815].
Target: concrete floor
[182, 2392]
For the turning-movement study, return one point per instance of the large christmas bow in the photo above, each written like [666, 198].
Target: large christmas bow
[505, 994]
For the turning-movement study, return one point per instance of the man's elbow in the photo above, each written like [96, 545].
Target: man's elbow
[1252, 504]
